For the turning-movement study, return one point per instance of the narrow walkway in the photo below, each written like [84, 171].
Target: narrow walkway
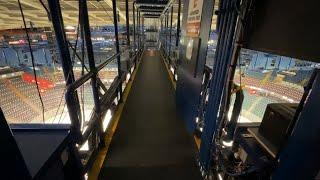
[151, 142]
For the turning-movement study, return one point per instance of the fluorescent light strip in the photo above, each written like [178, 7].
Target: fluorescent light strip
[151, 5]
[151, 10]
[151, 13]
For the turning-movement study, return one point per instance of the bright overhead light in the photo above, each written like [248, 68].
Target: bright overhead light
[150, 5]
[69, 28]
[227, 144]
[151, 13]
[151, 10]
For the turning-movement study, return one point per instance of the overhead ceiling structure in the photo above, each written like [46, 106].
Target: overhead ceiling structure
[100, 13]
[151, 8]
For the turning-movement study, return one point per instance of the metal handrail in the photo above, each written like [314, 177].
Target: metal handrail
[90, 74]
[106, 99]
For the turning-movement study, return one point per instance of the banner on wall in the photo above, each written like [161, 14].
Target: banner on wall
[194, 18]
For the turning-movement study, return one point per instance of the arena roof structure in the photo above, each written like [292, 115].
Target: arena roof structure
[100, 12]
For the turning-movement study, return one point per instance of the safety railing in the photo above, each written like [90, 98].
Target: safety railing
[94, 132]
[171, 59]
[74, 86]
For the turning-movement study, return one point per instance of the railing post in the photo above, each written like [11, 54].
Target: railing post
[127, 23]
[134, 27]
[58, 26]
[134, 34]
[167, 26]
[128, 63]
[85, 25]
[178, 24]
[161, 30]
[170, 31]
[115, 22]
[142, 30]
[138, 29]
[165, 32]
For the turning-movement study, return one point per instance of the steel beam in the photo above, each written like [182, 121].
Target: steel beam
[58, 26]
[115, 22]
[134, 26]
[178, 24]
[127, 23]
[170, 38]
[85, 26]
[166, 31]
[142, 30]
[138, 27]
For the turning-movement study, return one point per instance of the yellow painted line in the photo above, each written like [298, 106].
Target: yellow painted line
[174, 84]
[93, 173]
[198, 141]
[171, 78]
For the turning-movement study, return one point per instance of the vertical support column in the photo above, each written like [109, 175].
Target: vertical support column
[170, 31]
[166, 32]
[138, 26]
[226, 27]
[58, 26]
[161, 31]
[85, 26]
[134, 27]
[115, 22]
[142, 32]
[128, 62]
[178, 24]
[127, 23]
[139, 29]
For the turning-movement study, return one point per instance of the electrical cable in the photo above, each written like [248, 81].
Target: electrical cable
[32, 59]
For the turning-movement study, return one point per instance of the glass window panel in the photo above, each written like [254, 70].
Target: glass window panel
[213, 38]
[267, 78]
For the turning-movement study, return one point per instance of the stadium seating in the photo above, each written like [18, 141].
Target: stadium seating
[255, 74]
[13, 107]
[16, 103]
[300, 77]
